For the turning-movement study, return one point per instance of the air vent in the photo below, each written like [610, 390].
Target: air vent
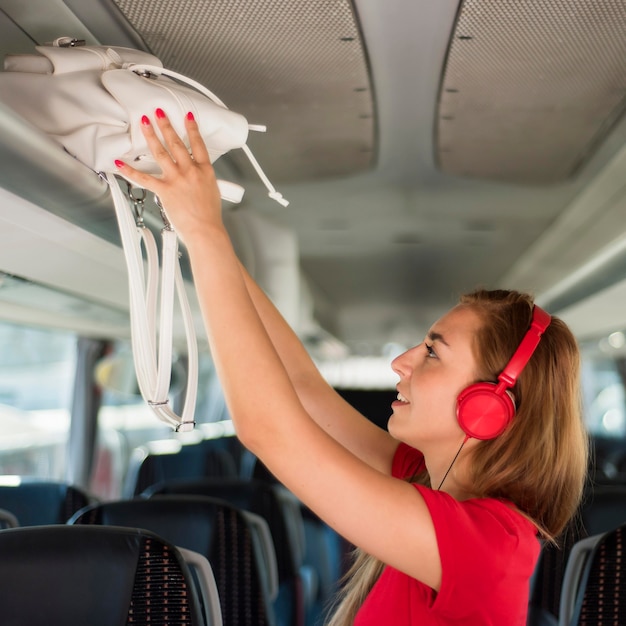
[530, 88]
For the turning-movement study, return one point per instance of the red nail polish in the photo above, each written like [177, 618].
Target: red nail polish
[145, 120]
[119, 163]
[190, 116]
[160, 113]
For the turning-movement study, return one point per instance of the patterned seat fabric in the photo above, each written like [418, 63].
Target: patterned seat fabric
[283, 516]
[59, 575]
[214, 529]
[601, 598]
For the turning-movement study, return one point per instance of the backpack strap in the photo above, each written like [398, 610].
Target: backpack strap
[154, 366]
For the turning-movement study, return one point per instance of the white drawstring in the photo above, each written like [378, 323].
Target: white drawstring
[155, 69]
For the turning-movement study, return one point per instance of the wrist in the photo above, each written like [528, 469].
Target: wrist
[209, 236]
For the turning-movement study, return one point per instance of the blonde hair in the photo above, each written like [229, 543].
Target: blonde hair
[546, 435]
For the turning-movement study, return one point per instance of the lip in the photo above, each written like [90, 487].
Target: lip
[398, 402]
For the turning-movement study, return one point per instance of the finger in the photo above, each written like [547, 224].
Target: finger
[173, 142]
[196, 142]
[160, 152]
[140, 179]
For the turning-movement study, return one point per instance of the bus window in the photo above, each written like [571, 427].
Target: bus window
[125, 422]
[603, 378]
[37, 369]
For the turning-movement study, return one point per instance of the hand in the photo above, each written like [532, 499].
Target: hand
[187, 188]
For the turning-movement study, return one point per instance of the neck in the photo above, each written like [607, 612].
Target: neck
[447, 473]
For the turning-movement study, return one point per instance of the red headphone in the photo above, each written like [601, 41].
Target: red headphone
[484, 410]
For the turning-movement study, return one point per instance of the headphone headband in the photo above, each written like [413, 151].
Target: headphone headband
[541, 320]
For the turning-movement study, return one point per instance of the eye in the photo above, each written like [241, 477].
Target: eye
[431, 354]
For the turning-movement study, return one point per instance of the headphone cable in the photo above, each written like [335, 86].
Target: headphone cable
[456, 456]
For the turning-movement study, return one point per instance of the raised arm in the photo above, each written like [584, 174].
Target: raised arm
[384, 516]
[336, 416]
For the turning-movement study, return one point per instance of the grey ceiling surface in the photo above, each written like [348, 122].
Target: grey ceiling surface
[389, 229]
[531, 88]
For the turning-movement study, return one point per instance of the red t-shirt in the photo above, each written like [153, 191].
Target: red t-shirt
[488, 553]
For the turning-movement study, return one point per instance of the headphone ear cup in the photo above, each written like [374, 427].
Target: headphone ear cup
[483, 413]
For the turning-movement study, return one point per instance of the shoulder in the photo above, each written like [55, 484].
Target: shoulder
[483, 520]
[487, 533]
[408, 462]
[488, 550]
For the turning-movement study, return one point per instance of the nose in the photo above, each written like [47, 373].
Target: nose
[402, 365]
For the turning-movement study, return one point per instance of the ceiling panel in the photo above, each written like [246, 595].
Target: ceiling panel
[530, 88]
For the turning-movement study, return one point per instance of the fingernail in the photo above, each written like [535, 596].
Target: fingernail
[160, 113]
[145, 121]
[119, 163]
[190, 116]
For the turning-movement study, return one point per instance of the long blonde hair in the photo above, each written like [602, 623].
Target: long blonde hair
[546, 435]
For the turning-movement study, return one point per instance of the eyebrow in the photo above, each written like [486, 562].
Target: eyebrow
[437, 337]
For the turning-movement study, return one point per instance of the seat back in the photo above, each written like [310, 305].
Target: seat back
[324, 553]
[160, 461]
[8, 520]
[234, 543]
[547, 580]
[59, 575]
[281, 512]
[36, 502]
[603, 508]
[594, 587]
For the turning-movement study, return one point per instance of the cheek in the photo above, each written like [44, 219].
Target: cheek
[436, 392]
[434, 405]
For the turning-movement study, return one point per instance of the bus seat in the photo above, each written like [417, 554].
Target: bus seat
[234, 542]
[546, 582]
[37, 502]
[60, 574]
[603, 509]
[282, 513]
[7, 519]
[324, 548]
[158, 461]
[594, 584]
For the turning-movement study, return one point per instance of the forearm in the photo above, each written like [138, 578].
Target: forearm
[255, 383]
[323, 404]
[302, 371]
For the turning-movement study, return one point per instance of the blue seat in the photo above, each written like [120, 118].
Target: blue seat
[158, 461]
[36, 502]
[59, 575]
[7, 519]
[282, 513]
[323, 554]
[232, 542]
[324, 549]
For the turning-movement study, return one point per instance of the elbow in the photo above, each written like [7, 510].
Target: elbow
[269, 422]
[251, 432]
[245, 436]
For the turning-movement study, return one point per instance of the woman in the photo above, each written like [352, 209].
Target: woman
[455, 524]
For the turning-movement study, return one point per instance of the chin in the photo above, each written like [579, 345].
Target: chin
[397, 432]
[391, 425]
